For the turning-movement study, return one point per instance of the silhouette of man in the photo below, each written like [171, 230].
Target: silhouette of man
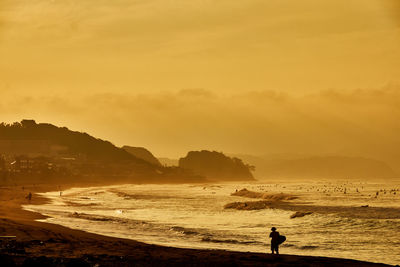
[274, 235]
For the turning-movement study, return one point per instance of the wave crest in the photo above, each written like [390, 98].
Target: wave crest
[266, 196]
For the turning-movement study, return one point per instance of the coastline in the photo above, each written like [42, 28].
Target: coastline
[56, 245]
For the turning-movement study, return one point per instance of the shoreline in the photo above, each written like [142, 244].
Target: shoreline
[43, 242]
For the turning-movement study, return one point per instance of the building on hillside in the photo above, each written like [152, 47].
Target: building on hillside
[25, 164]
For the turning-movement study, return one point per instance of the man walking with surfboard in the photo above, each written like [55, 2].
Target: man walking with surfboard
[276, 240]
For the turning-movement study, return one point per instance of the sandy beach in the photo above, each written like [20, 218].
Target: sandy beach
[199, 133]
[26, 242]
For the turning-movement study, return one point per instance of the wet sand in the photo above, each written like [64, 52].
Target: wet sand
[44, 244]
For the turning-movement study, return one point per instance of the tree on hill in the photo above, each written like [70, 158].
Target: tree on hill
[215, 165]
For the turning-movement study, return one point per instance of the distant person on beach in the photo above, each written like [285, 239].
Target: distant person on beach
[29, 196]
[274, 235]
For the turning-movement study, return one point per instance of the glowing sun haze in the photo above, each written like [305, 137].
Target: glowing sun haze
[252, 76]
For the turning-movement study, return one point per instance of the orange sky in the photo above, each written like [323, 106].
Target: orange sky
[249, 76]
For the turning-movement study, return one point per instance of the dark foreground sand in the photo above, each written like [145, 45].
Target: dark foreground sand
[43, 244]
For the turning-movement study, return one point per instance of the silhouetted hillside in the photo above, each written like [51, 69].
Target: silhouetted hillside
[142, 153]
[44, 152]
[292, 166]
[28, 137]
[216, 166]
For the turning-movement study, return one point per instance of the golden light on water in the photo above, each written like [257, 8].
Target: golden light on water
[294, 103]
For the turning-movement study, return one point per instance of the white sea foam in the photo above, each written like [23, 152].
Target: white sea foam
[193, 216]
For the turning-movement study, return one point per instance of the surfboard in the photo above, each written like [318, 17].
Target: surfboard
[281, 239]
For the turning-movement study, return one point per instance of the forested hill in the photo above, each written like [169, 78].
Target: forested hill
[216, 166]
[27, 134]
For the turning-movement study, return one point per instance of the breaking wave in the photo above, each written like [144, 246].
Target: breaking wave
[229, 241]
[137, 196]
[184, 231]
[266, 196]
[193, 216]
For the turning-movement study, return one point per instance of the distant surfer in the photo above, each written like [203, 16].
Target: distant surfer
[276, 240]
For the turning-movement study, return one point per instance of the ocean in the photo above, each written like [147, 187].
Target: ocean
[355, 220]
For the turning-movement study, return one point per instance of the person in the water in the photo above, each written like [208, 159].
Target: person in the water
[274, 235]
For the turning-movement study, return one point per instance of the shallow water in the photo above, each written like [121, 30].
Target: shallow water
[193, 216]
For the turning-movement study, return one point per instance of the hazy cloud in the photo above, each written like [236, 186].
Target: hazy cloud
[361, 122]
[137, 46]
[97, 66]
